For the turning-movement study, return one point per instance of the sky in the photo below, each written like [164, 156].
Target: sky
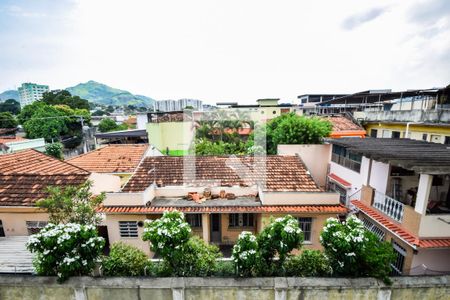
[230, 50]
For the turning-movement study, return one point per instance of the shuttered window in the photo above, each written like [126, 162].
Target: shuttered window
[128, 229]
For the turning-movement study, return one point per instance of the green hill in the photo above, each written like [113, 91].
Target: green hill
[102, 94]
[10, 94]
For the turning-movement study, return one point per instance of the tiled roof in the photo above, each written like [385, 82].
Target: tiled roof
[338, 209]
[111, 159]
[339, 180]
[343, 126]
[25, 175]
[284, 173]
[400, 231]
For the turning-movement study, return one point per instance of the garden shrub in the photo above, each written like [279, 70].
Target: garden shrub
[279, 238]
[183, 255]
[246, 254]
[66, 250]
[308, 264]
[354, 251]
[225, 269]
[126, 260]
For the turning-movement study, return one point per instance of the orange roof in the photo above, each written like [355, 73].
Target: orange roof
[400, 231]
[111, 159]
[343, 126]
[282, 173]
[335, 209]
[339, 180]
[9, 139]
[24, 177]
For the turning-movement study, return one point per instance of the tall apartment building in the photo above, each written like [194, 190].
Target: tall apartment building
[30, 92]
[177, 105]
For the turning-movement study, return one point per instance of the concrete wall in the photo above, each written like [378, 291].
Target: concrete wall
[104, 183]
[435, 226]
[355, 178]
[174, 135]
[429, 260]
[87, 288]
[299, 198]
[315, 157]
[379, 176]
[428, 116]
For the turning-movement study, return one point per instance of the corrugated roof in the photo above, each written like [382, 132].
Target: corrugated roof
[400, 231]
[123, 158]
[280, 173]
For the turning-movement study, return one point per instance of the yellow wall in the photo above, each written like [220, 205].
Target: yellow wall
[175, 135]
[416, 131]
[14, 220]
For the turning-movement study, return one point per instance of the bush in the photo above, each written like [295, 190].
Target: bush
[183, 255]
[246, 254]
[308, 264]
[54, 150]
[354, 251]
[280, 237]
[126, 260]
[225, 269]
[66, 250]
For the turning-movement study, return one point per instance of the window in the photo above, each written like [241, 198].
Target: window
[395, 134]
[128, 229]
[346, 158]
[2, 231]
[447, 140]
[386, 133]
[397, 266]
[373, 133]
[424, 136]
[34, 227]
[241, 220]
[340, 190]
[305, 225]
[373, 228]
[194, 220]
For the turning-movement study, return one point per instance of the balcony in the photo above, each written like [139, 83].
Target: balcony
[389, 206]
[346, 162]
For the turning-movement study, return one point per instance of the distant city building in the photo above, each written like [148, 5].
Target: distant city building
[177, 105]
[30, 92]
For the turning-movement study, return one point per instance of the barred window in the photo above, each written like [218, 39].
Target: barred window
[34, 227]
[241, 220]
[397, 266]
[128, 229]
[194, 220]
[305, 225]
[373, 228]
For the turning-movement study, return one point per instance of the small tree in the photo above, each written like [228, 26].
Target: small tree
[126, 260]
[280, 237]
[66, 250]
[107, 125]
[72, 204]
[354, 251]
[246, 254]
[7, 120]
[308, 264]
[54, 150]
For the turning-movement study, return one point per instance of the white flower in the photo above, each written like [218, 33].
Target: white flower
[350, 254]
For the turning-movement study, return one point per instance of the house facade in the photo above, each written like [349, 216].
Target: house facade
[220, 196]
[401, 191]
[24, 177]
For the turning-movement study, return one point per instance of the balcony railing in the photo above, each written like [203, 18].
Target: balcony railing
[389, 206]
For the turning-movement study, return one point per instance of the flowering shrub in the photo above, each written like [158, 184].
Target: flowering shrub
[183, 255]
[280, 237]
[354, 251]
[168, 233]
[66, 249]
[126, 260]
[246, 254]
[308, 263]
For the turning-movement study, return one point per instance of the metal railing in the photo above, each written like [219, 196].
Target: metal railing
[389, 206]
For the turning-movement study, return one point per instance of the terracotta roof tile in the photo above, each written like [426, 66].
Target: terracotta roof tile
[111, 159]
[339, 180]
[400, 231]
[10, 139]
[343, 127]
[25, 175]
[224, 209]
[283, 173]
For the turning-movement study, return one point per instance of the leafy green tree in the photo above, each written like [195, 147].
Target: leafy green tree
[29, 110]
[107, 125]
[7, 120]
[46, 122]
[310, 263]
[293, 129]
[72, 204]
[126, 260]
[11, 106]
[63, 97]
[55, 150]
[110, 109]
[99, 113]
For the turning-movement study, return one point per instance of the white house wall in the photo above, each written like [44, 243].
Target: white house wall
[433, 259]
[379, 176]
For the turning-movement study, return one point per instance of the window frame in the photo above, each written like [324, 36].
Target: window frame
[399, 263]
[129, 231]
[34, 227]
[304, 222]
[194, 220]
[236, 220]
